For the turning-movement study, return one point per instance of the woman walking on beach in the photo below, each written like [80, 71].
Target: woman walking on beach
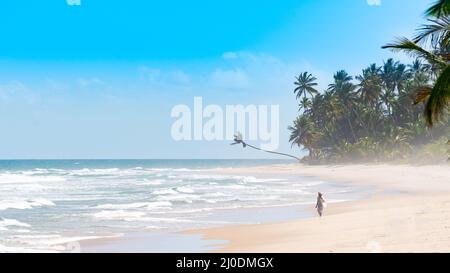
[320, 205]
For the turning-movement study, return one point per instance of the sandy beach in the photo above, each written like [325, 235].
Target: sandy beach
[409, 211]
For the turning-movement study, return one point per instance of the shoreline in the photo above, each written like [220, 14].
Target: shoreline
[408, 212]
[405, 203]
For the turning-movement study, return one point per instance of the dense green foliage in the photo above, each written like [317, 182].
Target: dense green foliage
[368, 117]
[388, 112]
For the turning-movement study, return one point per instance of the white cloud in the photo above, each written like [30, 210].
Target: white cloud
[161, 77]
[180, 76]
[74, 2]
[86, 82]
[240, 70]
[151, 74]
[250, 57]
[16, 91]
[233, 78]
[56, 85]
[374, 2]
[229, 55]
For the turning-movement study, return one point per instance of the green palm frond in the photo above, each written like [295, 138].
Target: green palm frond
[439, 98]
[305, 83]
[438, 31]
[413, 49]
[439, 9]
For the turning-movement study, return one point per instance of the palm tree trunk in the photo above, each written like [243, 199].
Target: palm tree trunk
[351, 128]
[271, 152]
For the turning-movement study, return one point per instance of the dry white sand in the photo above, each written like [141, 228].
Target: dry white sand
[409, 212]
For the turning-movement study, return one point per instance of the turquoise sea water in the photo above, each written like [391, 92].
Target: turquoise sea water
[47, 204]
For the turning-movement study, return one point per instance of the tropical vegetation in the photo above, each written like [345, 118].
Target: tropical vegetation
[388, 112]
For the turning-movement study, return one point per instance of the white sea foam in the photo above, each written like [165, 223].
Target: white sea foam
[206, 177]
[185, 190]
[23, 231]
[217, 194]
[186, 170]
[167, 220]
[153, 227]
[89, 172]
[12, 222]
[120, 215]
[252, 179]
[164, 192]
[39, 243]
[25, 204]
[12, 249]
[148, 205]
[237, 187]
[188, 198]
[37, 202]
[13, 178]
[123, 199]
[151, 182]
[161, 204]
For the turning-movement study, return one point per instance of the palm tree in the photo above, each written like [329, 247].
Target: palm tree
[343, 89]
[439, 9]
[305, 85]
[437, 97]
[341, 78]
[303, 133]
[437, 32]
[305, 104]
[238, 140]
[419, 71]
[348, 120]
[370, 85]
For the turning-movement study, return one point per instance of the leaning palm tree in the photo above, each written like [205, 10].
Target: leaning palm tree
[439, 9]
[437, 96]
[238, 140]
[305, 85]
[437, 33]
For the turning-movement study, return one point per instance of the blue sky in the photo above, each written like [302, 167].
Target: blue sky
[98, 79]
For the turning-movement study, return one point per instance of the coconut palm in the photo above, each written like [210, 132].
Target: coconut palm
[351, 120]
[305, 104]
[238, 140]
[370, 85]
[437, 32]
[437, 97]
[375, 116]
[304, 133]
[419, 71]
[343, 89]
[305, 84]
[341, 78]
[439, 9]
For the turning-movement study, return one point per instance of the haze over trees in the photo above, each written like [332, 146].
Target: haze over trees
[391, 111]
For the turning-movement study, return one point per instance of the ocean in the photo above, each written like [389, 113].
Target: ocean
[47, 204]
